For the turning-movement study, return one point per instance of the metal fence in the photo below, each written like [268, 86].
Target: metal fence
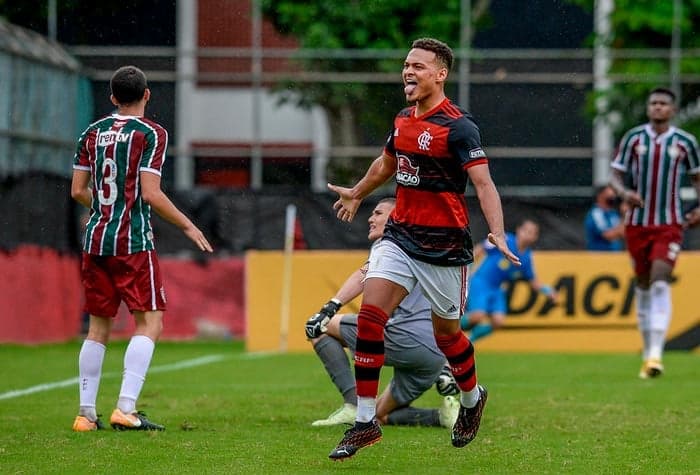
[529, 103]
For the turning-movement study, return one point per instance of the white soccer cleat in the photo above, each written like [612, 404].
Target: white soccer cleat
[344, 415]
[448, 412]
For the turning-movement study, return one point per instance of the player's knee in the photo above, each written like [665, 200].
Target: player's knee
[149, 324]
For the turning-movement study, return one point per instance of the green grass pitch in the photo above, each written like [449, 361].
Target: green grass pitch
[230, 412]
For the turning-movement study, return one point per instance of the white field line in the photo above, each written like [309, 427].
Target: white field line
[203, 360]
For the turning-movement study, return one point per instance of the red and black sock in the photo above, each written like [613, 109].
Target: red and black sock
[460, 354]
[369, 353]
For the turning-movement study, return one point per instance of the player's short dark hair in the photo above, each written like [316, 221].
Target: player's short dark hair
[388, 199]
[664, 90]
[523, 221]
[128, 84]
[443, 53]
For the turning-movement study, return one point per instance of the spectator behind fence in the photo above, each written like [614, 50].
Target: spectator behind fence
[603, 224]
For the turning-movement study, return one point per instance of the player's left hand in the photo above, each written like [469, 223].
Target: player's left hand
[552, 295]
[499, 240]
[346, 206]
[317, 324]
[692, 218]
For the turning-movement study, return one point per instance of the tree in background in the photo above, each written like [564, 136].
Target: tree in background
[361, 113]
[644, 24]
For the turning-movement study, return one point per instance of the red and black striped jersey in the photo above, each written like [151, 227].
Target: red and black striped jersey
[433, 152]
[115, 150]
[656, 163]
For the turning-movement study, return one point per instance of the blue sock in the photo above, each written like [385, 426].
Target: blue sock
[480, 331]
[464, 322]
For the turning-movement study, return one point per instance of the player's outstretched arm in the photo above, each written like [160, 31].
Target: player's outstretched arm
[349, 199]
[161, 204]
[317, 324]
[546, 290]
[627, 196]
[490, 202]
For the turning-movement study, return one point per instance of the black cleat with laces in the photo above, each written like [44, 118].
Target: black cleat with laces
[133, 421]
[468, 420]
[362, 434]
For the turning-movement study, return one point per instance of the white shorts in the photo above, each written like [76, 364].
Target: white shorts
[445, 287]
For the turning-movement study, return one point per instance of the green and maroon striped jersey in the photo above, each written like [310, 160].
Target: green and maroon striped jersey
[115, 150]
[655, 163]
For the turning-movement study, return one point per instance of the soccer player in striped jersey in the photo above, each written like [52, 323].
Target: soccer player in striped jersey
[434, 147]
[647, 174]
[410, 350]
[116, 174]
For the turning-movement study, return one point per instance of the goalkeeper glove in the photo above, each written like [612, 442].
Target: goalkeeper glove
[316, 324]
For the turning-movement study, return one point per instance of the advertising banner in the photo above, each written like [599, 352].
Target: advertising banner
[595, 312]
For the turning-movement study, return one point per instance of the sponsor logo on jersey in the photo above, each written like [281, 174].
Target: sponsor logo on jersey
[424, 140]
[406, 173]
[111, 137]
[477, 153]
[640, 149]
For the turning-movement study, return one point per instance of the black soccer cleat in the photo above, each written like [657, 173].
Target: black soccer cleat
[362, 434]
[133, 421]
[468, 420]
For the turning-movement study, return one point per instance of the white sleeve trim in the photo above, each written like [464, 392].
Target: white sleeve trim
[618, 166]
[150, 170]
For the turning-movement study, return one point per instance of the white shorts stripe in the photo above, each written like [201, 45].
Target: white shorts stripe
[152, 279]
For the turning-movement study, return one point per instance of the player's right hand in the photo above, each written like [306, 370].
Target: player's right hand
[317, 324]
[499, 241]
[346, 206]
[692, 218]
[633, 198]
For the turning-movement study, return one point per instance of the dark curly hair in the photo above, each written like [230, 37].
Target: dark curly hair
[443, 53]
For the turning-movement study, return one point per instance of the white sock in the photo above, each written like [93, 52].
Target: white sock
[659, 317]
[90, 360]
[366, 408]
[643, 300]
[137, 359]
[470, 398]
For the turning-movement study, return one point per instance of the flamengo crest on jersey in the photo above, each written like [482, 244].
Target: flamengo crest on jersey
[655, 164]
[115, 150]
[424, 140]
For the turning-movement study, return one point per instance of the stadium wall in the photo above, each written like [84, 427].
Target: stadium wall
[42, 298]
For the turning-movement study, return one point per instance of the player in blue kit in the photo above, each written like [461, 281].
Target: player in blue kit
[487, 305]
